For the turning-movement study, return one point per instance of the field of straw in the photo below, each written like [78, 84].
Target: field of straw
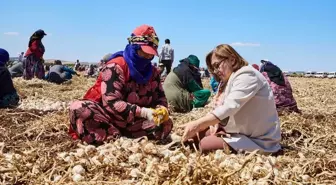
[36, 149]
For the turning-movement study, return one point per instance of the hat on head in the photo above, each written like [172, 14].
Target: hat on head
[58, 62]
[4, 57]
[146, 37]
[194, 60]
[41, 32]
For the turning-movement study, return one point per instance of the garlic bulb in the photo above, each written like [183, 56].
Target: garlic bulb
[106, 161]
[135, 158]
[305, 178]
[8, 157]
[135, 173]
[78, 169]
[150, 148]
[68, 159]
[57, 178]
[126, 144]
[246, 175]
[257, 169]
[90, 149]
[219, 155]
[77, 178]
[166, 153]
[175, 137]
[177, 158]
[96, 161]
[80, 152]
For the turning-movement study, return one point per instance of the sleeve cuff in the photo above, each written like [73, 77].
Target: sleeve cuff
[138, 112]
[218, 113]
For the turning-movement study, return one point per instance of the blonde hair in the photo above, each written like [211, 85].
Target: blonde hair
[223, 52]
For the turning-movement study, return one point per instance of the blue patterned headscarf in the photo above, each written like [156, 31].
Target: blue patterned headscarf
[4, 57]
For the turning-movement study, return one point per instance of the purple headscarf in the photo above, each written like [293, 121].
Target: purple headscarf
[4, 57]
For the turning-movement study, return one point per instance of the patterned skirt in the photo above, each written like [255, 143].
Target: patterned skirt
[33, 67]
[90, 122]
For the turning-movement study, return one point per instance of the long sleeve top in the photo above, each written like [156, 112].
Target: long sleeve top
[123, 99]
[36, 49]
[167, 53]
[249, 105]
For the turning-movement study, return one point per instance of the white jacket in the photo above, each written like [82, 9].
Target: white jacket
[253, 118]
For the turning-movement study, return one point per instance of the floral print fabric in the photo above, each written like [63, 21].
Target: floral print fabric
[33, 67]
[118, 114]
[283, 95]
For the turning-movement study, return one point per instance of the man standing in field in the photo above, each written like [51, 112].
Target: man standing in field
[167, 56]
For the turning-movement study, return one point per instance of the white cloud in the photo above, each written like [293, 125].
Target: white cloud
[245, 44]
[11, 33]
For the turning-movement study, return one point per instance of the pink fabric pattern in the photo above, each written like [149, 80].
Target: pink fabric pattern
[283, 95]
[118, 114]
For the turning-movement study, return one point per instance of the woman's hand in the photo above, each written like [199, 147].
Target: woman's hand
[147, 113]
[191, 130]
[213, 129]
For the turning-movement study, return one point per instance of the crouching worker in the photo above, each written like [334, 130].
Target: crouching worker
[183, 87]
[16, 70]
[281, 87]
[59, 73]
[90, 71]
[127, 99]
[8, 95]
[245, 116]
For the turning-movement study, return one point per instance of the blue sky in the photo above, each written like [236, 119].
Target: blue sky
[295, 35]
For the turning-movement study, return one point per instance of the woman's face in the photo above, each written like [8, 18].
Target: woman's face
[222, 68]
[144, 55]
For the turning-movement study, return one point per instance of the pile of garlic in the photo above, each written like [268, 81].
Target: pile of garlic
[141, 158]
[43, 105]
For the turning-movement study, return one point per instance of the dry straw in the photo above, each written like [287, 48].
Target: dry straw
[35, 147]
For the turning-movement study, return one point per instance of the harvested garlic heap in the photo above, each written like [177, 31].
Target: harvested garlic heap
[143, 158]
[43, 104]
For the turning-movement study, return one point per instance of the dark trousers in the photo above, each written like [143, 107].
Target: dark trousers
[167, 64]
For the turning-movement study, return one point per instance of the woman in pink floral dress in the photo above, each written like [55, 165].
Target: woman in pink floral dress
[282, 89]
[122, 101]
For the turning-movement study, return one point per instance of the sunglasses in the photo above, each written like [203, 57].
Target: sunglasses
[217, 64]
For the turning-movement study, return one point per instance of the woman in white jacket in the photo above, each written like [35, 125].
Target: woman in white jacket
[245, 116]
